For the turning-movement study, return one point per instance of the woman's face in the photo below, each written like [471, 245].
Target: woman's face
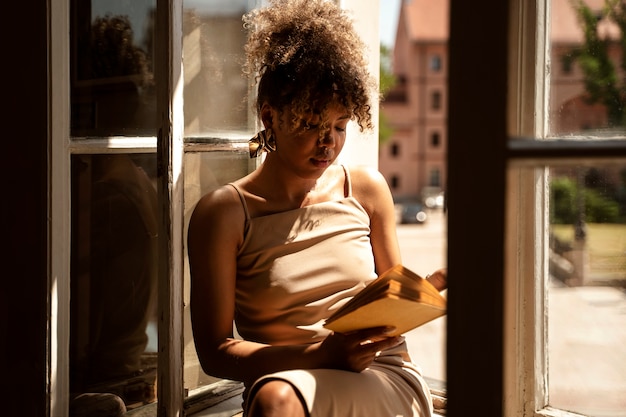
[303, 148]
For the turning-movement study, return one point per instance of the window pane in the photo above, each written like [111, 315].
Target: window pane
[113, 281]
[215, 94]
[112, 68]
[204, 172]
[587, 301]
[587, 79]
[414, 114]
[423, 247]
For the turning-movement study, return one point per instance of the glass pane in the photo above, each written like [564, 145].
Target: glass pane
[587, 81]
[587, 297]
[412, 157]
[112, 68]
[113, 339]
[216, 93]
[205, 172]
[423, 246]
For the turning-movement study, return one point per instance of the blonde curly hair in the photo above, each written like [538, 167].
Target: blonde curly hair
[306, 54]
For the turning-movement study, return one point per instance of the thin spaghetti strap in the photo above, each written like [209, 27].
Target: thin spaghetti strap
[348, 185]
[243, 201]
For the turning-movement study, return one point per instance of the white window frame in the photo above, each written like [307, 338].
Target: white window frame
[526, 377]
[525, 330]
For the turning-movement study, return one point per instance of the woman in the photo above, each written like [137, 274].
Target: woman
[280, 249]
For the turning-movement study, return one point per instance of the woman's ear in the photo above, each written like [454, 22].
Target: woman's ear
[267, 115]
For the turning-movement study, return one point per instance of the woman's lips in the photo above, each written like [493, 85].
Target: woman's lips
[321, 163]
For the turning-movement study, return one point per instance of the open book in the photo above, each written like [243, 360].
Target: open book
[398, 297]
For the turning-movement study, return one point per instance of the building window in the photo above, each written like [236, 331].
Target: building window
[435, 100]
[567, 64]
[395, 182]
[435, 63]
[435, 139]
[395, 149]
[434, 177]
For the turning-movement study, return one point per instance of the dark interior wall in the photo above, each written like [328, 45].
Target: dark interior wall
[23, 299]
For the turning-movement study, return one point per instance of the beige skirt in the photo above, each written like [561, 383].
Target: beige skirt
[392, 386]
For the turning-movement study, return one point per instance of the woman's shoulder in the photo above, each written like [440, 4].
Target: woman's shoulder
[222, 204]
[366, 179]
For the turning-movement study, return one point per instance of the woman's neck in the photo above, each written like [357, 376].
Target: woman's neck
[276, 185]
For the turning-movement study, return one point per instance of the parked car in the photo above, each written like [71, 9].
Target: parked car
[435, 201]
[433, 197]
[412, 213]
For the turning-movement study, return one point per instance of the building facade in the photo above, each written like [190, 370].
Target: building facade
[414, 158]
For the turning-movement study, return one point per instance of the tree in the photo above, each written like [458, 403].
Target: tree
[387, 82]
[601, 78]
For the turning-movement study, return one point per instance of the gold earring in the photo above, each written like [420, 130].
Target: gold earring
[263, 141]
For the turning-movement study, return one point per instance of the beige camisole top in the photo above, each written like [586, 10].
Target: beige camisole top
[296, 267]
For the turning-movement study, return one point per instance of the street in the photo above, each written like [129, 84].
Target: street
[586, 331]
[423, 248]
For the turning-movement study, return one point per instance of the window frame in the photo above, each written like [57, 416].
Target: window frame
[497, 290]
[489, 283]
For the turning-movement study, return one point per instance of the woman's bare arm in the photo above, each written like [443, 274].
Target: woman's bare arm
[372, 191]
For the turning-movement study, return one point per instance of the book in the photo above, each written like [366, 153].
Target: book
[398, 297]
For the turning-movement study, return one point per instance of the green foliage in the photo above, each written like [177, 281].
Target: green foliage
[562, 201]
[601, 78]
[564, 207]
[387, 78]
[600, 209]
[113, 50]
[387, 82]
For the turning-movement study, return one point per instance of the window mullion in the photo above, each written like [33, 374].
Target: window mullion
[170, 192]
[527, 214]
[59, 241]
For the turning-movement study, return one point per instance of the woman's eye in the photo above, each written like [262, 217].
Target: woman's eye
[340, 129]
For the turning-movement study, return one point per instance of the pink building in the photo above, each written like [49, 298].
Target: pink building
[413, 160]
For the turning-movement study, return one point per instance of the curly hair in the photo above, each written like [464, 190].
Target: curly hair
[305, 54]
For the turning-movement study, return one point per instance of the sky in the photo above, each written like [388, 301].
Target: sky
[388, 21]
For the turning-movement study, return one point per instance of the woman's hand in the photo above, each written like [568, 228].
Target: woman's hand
[439, 279]
[356, 350]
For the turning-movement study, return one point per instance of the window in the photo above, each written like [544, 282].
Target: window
[498, 218]
[434, 63]
[395, 182]
[435, 100]
[434, 178]
[515, 348]
[566, 64]
[216, 129]
[114, 208]
[395, 149]
[435, 139]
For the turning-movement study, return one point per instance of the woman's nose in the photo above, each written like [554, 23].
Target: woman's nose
[328, 139]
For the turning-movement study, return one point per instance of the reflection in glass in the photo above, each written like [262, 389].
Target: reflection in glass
[113, 282]
[587, 290]
[112, 71]
[587, 83]
[215, 94]
[205, 172]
